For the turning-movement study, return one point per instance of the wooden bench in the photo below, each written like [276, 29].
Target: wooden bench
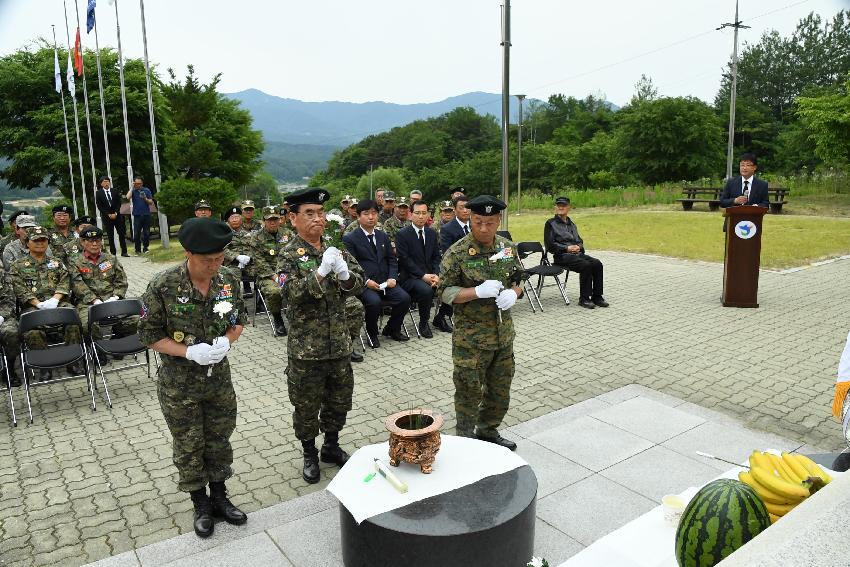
[711, 195]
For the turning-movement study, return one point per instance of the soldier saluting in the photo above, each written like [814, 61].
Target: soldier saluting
[192, 314]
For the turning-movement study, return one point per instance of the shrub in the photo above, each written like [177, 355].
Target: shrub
[177, 197]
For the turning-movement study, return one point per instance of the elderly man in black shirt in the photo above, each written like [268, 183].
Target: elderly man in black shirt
[562, 239]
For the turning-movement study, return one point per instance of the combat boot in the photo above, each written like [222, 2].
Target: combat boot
[311, 461]
[331, 451]
[204, 524]
[222, 507]
[279, 325]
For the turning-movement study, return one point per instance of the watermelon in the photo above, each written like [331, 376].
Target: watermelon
[724, 515]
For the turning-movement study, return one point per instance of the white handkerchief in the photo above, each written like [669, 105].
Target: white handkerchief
[383, 286]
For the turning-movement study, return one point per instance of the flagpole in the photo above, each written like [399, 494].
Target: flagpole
[124, 102]
[157, 173]
[102, 104]
[88, 123]
[76, 114]
[65, 122]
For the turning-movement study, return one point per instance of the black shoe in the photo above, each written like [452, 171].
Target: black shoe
[311, 465]
[425, 330]
[124, 255]
[145, 251]
[443, 324]
[600, 301]
[279, 326]
[333, 453]
[14, 378]
[374, 342]
[498, 440]
[395, 335]
[356, 356]
[223, 508]
[587, 304]
[204, 524]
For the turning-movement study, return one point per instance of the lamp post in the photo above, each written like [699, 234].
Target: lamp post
[506, 70]
[519, 97]
[734, 91]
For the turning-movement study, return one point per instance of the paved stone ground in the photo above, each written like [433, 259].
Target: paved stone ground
[79, 486]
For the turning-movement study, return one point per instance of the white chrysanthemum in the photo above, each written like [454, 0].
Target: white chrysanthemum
[223, 308]
[535, 562]
[335, 218]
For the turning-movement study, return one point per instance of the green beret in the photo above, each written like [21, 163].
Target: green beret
[204, 235]
[486, 205]
[91, 232]
[203, 204]
[308, 196]
[36, 233]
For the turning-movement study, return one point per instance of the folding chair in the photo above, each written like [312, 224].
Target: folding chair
[56, 355]
[258, 298]
[413, 309]
[504, 234]
[385, 309]
[8, 386]
[108, 314]
[542, 271]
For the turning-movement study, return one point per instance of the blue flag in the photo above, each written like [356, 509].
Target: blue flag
[90, 16]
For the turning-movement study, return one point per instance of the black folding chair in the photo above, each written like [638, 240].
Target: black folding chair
[258, 299]
[386, 309]
[57, 355]
[4, 362]
[543, 270]
[504, 234]
[108, 314]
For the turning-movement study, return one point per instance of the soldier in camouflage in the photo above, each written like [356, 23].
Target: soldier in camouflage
[98, 277]
[17, 248]
[9, 328]
[249, 225]
[203, 209]
[262, 253]
[41, 282]
[476, 270]
[11, 235]
[399, 220]
[317, 281]
[61, 232]
[387, 207]
[191, 315]
[71, 249]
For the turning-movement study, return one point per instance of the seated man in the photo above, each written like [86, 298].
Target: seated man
[375, 254]
[11, 236]
[71, 249]
[61, 234]
[399, 220]
[203, 208]
[98, 277]
[562, 240]
[418, 252]
[262, 253]
[17, 248]
[9, 329]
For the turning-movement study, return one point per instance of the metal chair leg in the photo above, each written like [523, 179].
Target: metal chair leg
[413, 322]
[526, 288]
[562, 290]
[26, 385]
[99, 370]
[9, 386]
[89, 372]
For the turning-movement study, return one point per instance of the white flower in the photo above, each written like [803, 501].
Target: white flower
[223, 308]
[536, 562]
[332, 217]
[498, 256]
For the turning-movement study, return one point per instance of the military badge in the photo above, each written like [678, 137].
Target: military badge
[183, 299]
[300, 251]
[472, 251]
[190, 340]
[304, 258]
[271, 252]
[179, 336]
[51, 265]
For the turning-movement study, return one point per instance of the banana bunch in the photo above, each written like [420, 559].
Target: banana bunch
[782, 482]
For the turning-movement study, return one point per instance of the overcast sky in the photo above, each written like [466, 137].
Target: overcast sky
[405, 52]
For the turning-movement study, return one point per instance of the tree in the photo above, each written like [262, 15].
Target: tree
[261, 186]
[213, 135]
[827, 117]
[644, 90]
[391, 178]
[670, 139]
[177, 197]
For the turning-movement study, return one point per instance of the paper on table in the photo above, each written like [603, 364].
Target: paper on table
[460, 462]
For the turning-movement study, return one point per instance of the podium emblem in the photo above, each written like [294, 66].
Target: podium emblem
[746, 229]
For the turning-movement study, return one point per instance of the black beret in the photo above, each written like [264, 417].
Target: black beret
[308, 196]
[456, 190]
[230, 212]
[365, 205]
[204, 235]
[91, 232]
[16, 214]
[486, 205]
[84, 220]
[61, 209]
[562, 201]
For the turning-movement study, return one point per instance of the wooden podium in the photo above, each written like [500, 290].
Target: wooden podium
[743, 256]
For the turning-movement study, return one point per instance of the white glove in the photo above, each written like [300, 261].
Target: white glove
[39, 305]
[243, 260]
[113, 298]
[490, 288]
[341, 269]
[220, 348]
[200, 353]
[328, 261]
[51, 303]
[2, 319]
[96, 302]
[506, 299]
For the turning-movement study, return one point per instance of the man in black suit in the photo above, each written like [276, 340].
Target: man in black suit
[457, 228]
[108, 203]
[419, 263]
[746, 189]
[374, 251]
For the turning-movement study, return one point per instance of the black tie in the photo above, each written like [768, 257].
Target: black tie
[746, 188]
[109, 197]
[465, 230]
[372, 242]
[422, 238]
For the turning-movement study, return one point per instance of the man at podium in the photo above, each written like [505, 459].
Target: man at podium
[746, 189]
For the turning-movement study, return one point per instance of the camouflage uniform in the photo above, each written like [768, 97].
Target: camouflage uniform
[58, 240]
[384, 216]
[393, 225]
[101, 280]
[241, 244]
[69, 251]
[250, 227]
[482, 347]
[40, 280]
[200, 410]
[9, 327]
[4, 241]
[16, 250]
[319, 375]
[264, 249]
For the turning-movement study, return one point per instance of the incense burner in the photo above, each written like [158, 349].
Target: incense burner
[414, 438]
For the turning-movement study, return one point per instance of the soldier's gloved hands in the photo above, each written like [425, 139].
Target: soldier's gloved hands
[506, 299]
[243, 260]
[51, 303]
[200, 353]
[113, 298]
[328, 261]
[96, 302]
[490, 288]
[39, 305]
[341, 269]
[220, 348]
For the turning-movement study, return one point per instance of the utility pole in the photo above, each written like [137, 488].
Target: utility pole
[520, 97]
[506, 75]
[731, 140]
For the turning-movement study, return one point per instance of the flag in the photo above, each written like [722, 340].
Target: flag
[57, 72]
[70, 76]
[90, 16]
[78, 55]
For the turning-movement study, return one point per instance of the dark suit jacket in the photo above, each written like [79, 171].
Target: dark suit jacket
[413, 262]
[449, 234]
[103, 204]
[735, 188]
[378, 267]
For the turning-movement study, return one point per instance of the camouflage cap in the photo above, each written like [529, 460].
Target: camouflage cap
[25, 221]
[36, 233]
[346, 199]
[389, 195]
[248, 204]
[402, 202]
[91, 233]
[354, 202]
[271, 212]
[203, 204]
[447, 206]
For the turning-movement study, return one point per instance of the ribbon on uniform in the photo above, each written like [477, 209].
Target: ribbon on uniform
[842, 385]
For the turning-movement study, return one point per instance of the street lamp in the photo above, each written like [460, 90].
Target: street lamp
[520, 97]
